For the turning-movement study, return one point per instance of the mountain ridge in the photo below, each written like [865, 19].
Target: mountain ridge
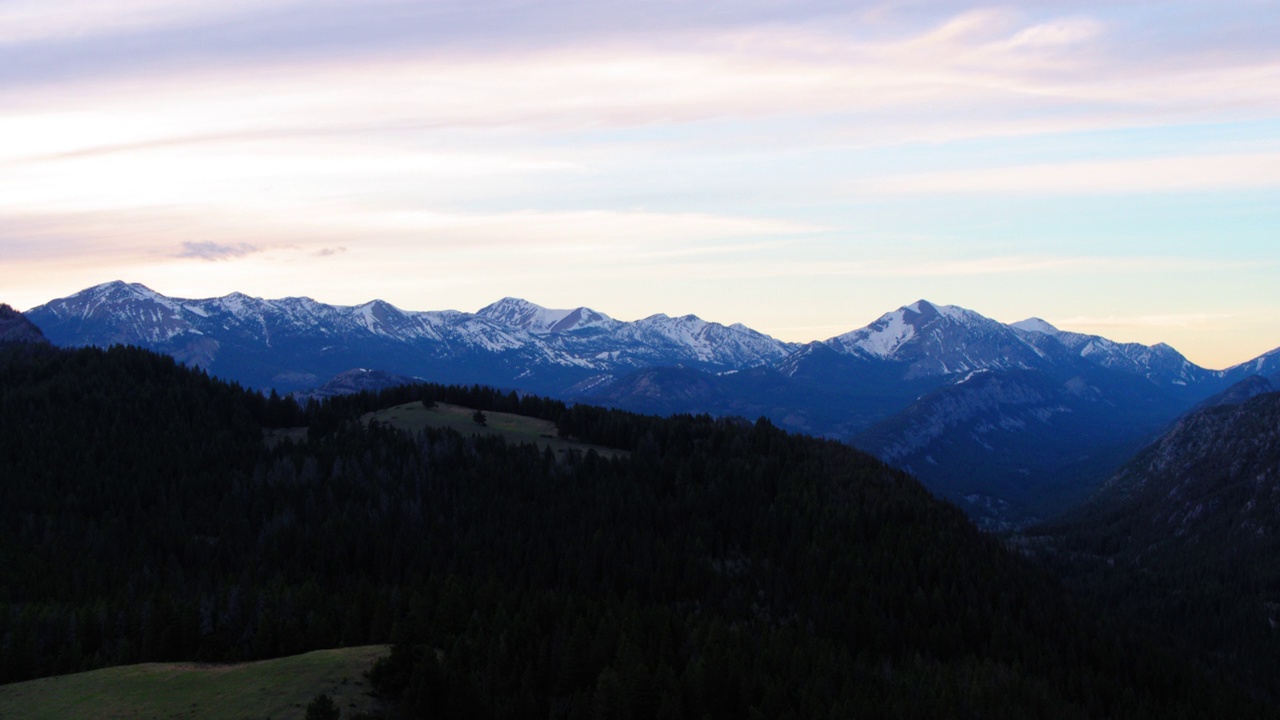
[911, 332]
[16, 328]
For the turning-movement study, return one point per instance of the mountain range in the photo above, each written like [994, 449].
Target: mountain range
[1012, 421]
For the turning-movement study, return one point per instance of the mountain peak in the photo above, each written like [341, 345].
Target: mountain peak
[120, 287]
[100, 298]
[1036, 325]
[895, 330]
[938, 340]
[508, 304]
[519, 313]
[926, 310]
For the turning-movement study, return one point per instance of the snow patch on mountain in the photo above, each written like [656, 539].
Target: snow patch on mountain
[887, 334]
[1265, 364]
[1035, 325]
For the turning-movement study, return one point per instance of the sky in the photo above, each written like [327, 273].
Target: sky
[799, 167]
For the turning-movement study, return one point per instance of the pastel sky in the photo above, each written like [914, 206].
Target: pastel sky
[800, 167]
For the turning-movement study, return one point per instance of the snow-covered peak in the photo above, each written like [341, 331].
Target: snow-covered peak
[700, 341]
[379, 317]
[938, 340]
[129, 310]
[118, 289]
[237, 304]
[109, 296]
[891, 331]
[1035, 325]
[583, 317]
[955, 313]
[518, 313]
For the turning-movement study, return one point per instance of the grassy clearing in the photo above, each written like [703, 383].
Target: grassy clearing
[276, 689]
[513, 428]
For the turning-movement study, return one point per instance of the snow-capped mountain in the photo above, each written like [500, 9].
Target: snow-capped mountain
[938, 340]
[1266, 365]
[942, 340]
[1158, 363]
[1033, 411]
[975, 407]
[295, 343]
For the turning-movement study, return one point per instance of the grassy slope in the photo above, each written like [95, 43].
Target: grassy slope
[514, 429]
[275, 689]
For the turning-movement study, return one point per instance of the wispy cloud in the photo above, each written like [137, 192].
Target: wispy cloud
[572, 231]
[1121, 176]
[979, 65]
[213, 251]
[26, 21]
[1177, 320]
[914, 268]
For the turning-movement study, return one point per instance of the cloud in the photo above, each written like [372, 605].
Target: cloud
[27, 21]
[602, 234]
[214, 251]
[1150, 321]
[978, 65]
[329, 251]
[903, 268]
[1103, 177]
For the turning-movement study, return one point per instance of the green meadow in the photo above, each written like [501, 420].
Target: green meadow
[515, 429]
[277, 689]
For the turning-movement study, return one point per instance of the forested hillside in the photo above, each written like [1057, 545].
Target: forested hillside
[1185, 536]
[721, 568]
